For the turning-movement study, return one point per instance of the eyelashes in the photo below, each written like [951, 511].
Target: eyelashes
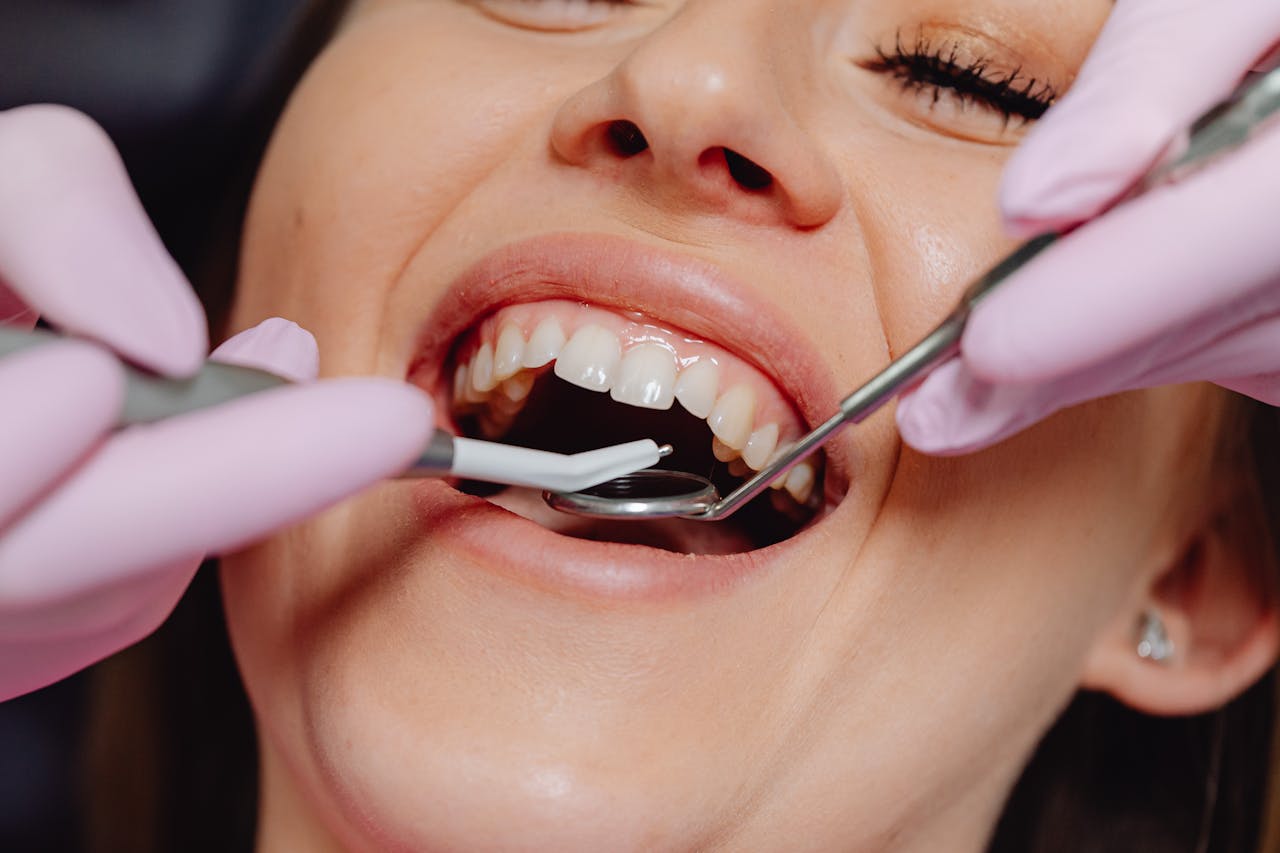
[944, 70]
[937, 70]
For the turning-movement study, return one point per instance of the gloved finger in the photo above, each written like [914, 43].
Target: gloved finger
[1254, 349]
[45, 645]
[59, 400]
[953, 412]
[1264, 387]
[15, 312]
[1245, 360]
[101, 610]
[1096, 293]
[1156, 67]
[77, 247]
[275, 345]
[211, 481]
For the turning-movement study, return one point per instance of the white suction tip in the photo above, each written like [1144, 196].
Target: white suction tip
[556, 472]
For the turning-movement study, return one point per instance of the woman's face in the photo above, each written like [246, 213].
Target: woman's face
[756, 204]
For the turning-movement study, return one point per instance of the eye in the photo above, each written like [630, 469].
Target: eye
[554, 15]
[960, 85]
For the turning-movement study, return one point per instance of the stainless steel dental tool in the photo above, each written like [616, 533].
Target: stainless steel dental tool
[150, 398]
[655, 494]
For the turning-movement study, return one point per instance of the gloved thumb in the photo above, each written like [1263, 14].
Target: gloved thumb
[275, 345]
[953, 412]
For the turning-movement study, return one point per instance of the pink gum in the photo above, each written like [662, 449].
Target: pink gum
[633, 330]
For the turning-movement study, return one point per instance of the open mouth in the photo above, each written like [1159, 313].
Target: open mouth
[566, 376]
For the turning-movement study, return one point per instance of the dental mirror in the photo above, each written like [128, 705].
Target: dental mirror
[649, 494]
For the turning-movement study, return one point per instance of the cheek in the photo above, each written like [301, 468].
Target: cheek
[993, 575]
[935, 229]
[376, 148]
[1030, 549]
[941, 262]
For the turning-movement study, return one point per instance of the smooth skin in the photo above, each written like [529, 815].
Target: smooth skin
[880, 691]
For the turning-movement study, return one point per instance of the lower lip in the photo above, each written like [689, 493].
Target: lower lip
[520, 550]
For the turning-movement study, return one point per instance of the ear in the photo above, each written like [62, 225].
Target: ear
[1217, 596]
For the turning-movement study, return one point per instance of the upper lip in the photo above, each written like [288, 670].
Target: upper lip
[622, 274]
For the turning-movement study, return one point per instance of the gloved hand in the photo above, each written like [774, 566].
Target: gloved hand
[1180, 285]
[100, 533]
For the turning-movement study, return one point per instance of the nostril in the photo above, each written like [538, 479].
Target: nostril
[625, 138]
[749, 175]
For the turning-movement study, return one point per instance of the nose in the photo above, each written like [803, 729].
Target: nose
[694, 116]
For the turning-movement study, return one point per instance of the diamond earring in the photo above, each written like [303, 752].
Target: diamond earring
[1153, 640]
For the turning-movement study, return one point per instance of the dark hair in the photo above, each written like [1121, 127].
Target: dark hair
[1107, 778]
[171, 757]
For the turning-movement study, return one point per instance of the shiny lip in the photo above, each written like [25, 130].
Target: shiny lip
[614, 272]
[617, 273]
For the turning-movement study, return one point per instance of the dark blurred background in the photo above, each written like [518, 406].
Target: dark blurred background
[178, 84]
[188, 89]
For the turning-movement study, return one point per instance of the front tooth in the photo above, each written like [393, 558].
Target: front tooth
[800, 482]
[732, 416]
[509, 353]
[544, 344]
[722, 451]
[590, 359]
[760, 446]
[518, 387]
[696, 388]
[646, 378]
[482, 370]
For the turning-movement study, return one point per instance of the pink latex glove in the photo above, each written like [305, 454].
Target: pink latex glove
[1180, 285]
[100, 533]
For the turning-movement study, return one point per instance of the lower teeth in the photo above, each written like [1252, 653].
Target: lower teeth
[539, 420]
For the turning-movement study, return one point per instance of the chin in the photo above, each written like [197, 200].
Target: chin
[401, 782]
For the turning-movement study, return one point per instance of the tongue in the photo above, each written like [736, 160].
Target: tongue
[672, 534]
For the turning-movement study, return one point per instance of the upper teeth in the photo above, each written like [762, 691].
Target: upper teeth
[760, 446]
[646, 377]
[733, 415]
[545, 343]
[638, 366]
[696, 387]
[590, 359]
[508, 356]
